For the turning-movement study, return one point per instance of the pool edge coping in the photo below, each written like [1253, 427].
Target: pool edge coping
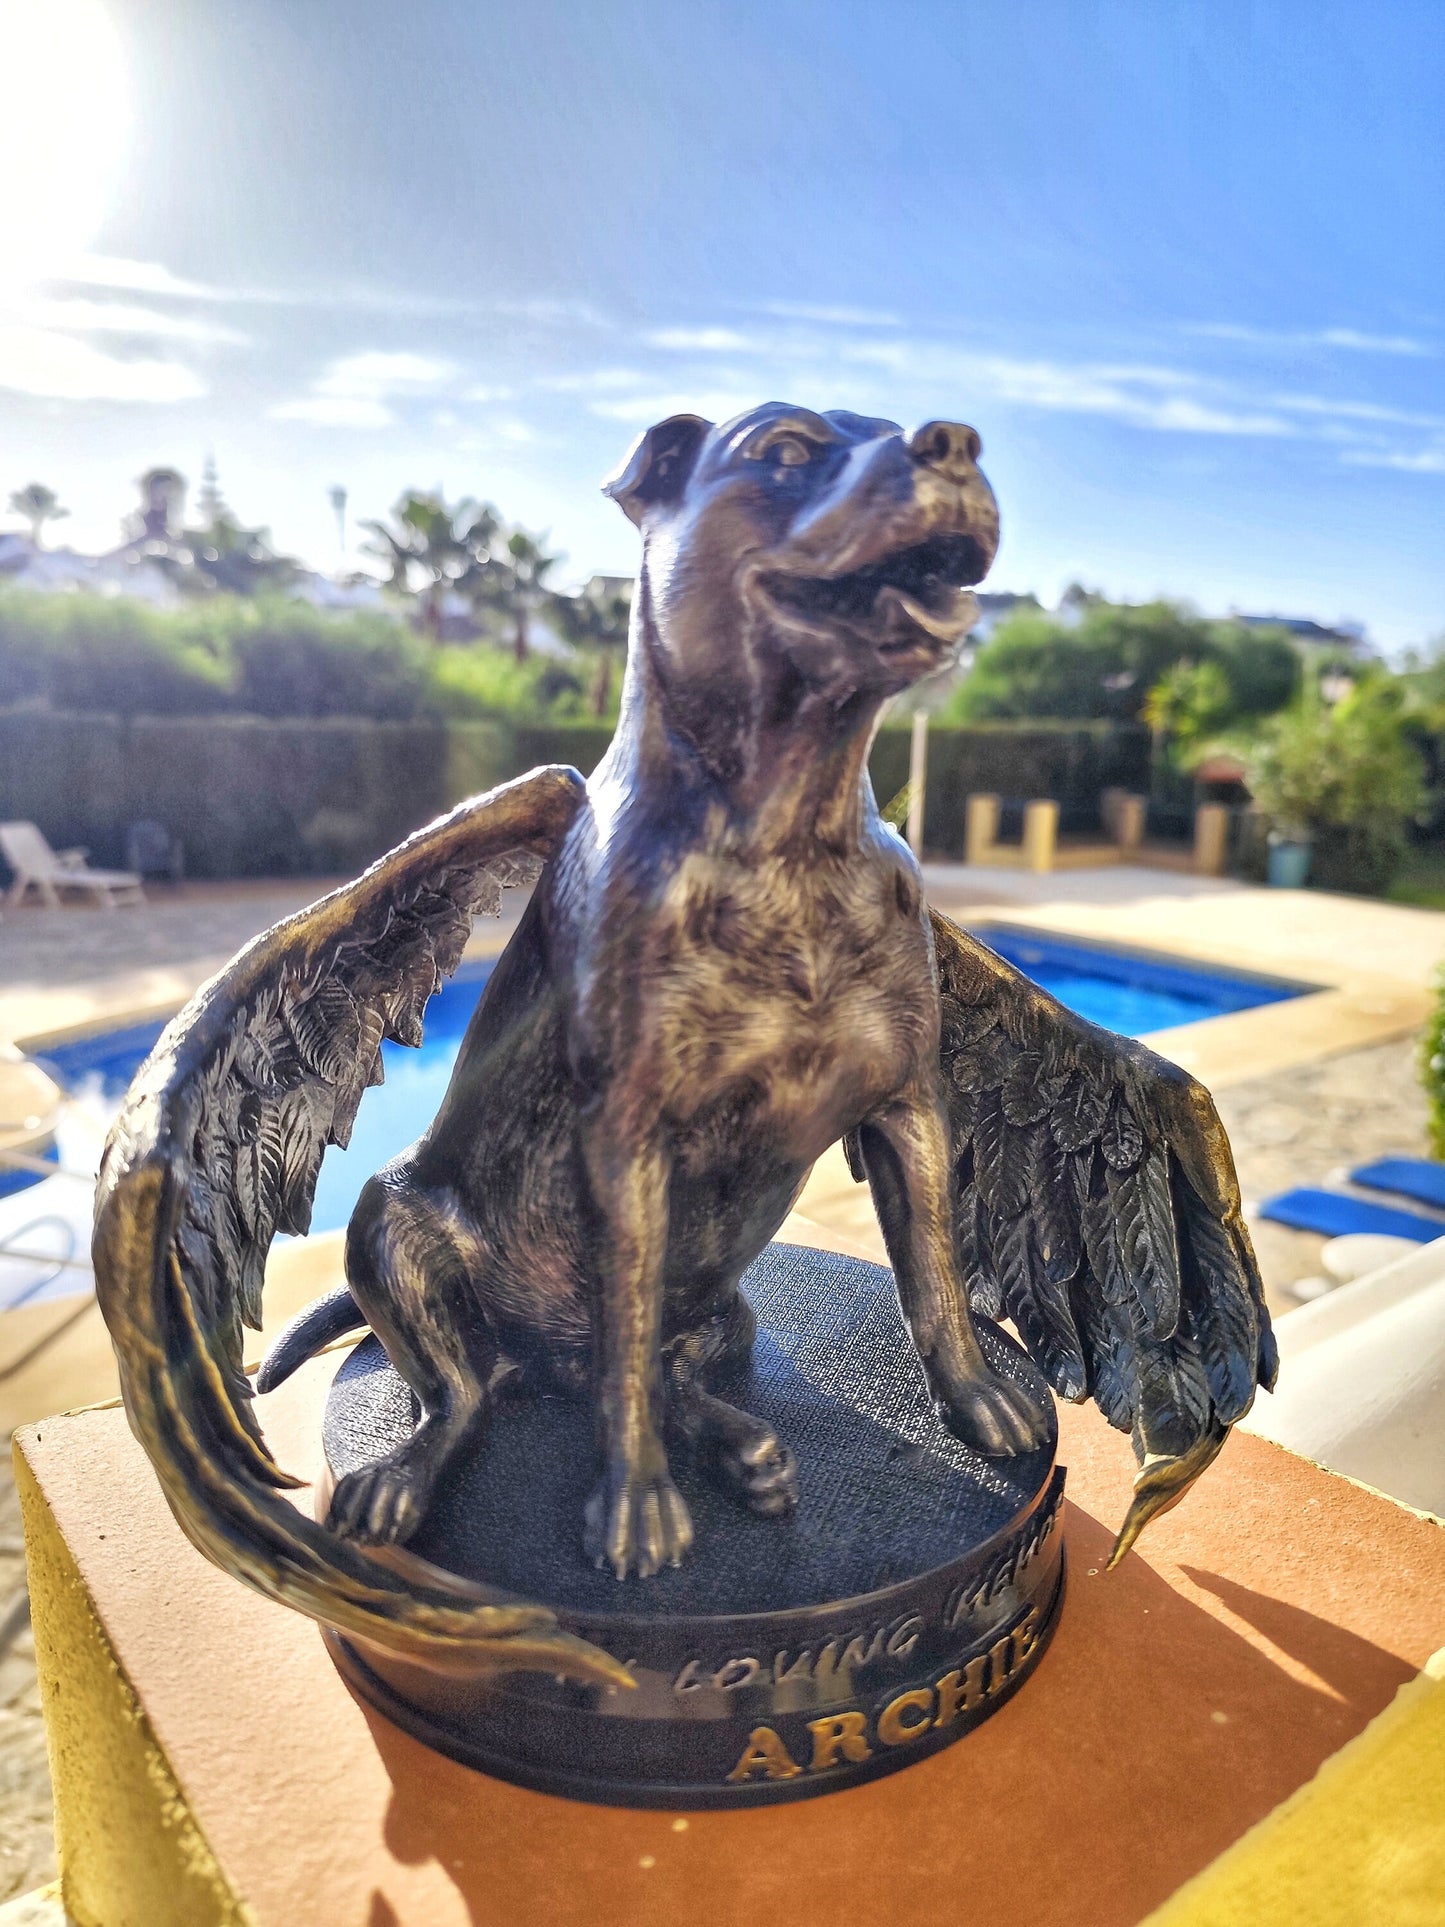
[1334, 1012]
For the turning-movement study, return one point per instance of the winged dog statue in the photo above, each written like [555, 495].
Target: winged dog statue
[725, 967]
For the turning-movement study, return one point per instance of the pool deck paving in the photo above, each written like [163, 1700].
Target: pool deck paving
[64, 971]
[72, 970]
[1306, 1088]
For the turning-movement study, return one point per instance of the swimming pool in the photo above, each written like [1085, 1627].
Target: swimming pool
[1134, 992]
[1129, 991]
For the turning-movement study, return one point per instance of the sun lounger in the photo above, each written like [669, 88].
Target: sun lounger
[1334, 1213]
[1419, 1178]
[37, 867]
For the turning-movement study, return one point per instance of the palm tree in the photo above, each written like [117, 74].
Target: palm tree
[229, 558]
[38, 505]
[431, 549]
[522, 586]
[597, 618]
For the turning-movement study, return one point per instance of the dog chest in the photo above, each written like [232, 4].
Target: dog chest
[796, 981]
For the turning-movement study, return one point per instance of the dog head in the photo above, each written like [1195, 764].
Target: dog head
[835, 543]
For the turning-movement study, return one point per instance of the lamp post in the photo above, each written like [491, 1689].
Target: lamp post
[338, 509]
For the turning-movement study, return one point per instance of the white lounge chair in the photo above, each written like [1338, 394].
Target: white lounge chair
[38, 867]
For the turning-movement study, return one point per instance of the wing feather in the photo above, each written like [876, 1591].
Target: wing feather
[1079, 1113]
[1003, 1162]
[1056, 1220]
[1227, 1322]
[1097, 1203]
[1148, 1249]
[218, 1147]
[1041, 1312]
[976, 1256]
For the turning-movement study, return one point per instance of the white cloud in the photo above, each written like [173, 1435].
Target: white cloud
[136, 277]
[38, 361]
[334, 411]
[542, 308]
[890, 374]
[1196, 418]
[711, 341]
[1353, 340]
[1146, 397]
[1356, 411]
[1374, 344]
[593, 380]
[1087, 391]
[355, 391]
[830, 317]
[1425, 461]
[644, 409]
[383, 372]
[79, 315]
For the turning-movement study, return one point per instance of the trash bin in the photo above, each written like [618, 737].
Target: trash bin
[151, 851]
[1289, 863]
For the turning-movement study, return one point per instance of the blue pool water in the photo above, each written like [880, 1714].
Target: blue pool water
[1131, 992]
[1125, 991]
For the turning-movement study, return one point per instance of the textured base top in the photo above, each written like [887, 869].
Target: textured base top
[885, 1492]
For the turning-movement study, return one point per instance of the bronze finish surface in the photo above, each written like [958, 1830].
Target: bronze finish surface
[726, 967]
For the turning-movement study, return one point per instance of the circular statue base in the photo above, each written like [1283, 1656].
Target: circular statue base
[910, 1594]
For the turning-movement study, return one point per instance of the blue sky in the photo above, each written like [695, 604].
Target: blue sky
[1182, 265]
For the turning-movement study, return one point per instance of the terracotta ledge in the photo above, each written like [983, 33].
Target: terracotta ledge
[1268, 1622]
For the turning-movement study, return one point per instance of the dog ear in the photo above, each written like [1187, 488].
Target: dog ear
[657, 465]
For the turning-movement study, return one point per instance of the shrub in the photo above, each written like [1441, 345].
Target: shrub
[483, 680]
[268, 656]
[1432, 1067]
[1105, 668]
[1346, 779]
[94, 652]
[291, 660]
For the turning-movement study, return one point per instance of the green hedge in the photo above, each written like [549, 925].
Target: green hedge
[1071, 762]
[1432, 1066]
[247, 796]
[263, 796]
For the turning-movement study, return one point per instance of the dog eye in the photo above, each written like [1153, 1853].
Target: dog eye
[790, 451]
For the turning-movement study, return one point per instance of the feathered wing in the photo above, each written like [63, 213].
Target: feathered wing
[218, 1147]
[1097, 1207]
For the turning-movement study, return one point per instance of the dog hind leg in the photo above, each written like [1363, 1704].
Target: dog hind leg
[743, 1454]
[411, 1256]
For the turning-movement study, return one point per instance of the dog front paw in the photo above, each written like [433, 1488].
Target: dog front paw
[637, 1522]
[994, 1415]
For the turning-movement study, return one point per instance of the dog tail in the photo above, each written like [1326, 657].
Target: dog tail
[325, 1320]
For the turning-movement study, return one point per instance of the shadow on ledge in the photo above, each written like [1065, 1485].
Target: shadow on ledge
[1152, 1736]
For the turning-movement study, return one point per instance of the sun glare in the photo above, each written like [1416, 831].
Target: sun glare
[64, 118]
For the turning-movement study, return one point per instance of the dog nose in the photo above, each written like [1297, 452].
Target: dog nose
[950, 447]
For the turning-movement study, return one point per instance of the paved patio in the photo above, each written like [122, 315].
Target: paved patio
[1306, 1088]
[79, 968]
[75, 968]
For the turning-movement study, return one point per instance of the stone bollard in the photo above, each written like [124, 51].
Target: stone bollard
[1129, 821]
[980, 827]
[1211, 839]
[1041, 833]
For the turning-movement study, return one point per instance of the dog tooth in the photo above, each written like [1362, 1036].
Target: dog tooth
[943, 628]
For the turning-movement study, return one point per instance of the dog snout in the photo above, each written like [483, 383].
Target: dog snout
[951, 448]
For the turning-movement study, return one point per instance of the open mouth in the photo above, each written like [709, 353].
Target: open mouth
[915, 593]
